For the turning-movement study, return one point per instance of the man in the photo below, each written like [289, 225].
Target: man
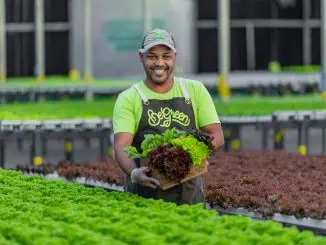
[151, 106]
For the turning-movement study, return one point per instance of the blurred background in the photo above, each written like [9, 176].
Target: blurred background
[263, 62]
[264, 35]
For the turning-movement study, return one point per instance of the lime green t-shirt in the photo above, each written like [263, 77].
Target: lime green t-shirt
[128, 107]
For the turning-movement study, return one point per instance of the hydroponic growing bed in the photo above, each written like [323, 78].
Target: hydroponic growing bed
[281, 186]
[103, 108]
[285, 187]
[61, 81]
[268, 182]
[102, 173]
[38, 211]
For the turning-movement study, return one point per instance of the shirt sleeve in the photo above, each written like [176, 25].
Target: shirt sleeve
[123, 115]
[206, 110]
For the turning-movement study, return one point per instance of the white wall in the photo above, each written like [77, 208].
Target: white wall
[118, 30]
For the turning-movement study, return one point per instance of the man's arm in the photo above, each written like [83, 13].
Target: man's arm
[138, 175]
[216, 131]
[122, 140]
[208, 120]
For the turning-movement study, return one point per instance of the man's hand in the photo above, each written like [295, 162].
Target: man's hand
[139, 175]
[216, 132]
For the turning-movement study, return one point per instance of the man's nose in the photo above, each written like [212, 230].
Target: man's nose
[159, 61]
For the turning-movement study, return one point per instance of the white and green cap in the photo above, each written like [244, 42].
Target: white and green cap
[157, 37]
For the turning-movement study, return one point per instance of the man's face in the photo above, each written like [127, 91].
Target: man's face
[158, 63]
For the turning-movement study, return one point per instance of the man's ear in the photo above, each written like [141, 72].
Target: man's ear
[141, 56]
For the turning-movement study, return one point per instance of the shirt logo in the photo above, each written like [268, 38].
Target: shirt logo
[165, 116]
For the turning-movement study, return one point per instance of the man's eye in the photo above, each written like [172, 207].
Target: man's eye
[166, 56]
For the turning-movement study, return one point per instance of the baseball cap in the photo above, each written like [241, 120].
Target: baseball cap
[157, 37]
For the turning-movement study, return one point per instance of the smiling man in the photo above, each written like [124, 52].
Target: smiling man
[158, 103]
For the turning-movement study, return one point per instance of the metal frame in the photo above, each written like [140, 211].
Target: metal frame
[323, 48]
[3, 51]
[318, 227]
[147, 13]
[40, 131]
[251, 24]
[36, 93]
[30, 27]
[224, 38]
[40, 40]
[88, 49]
[306, 24]
[300, 120]
[306, 33]
[39, 26]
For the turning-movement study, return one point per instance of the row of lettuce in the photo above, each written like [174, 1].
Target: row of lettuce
[103, 108]
[38, 211]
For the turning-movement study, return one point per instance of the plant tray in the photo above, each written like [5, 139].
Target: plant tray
[166, 184]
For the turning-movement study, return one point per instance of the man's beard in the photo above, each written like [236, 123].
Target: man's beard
[159, 74]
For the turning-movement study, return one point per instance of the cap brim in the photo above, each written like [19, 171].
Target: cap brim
[149, 46]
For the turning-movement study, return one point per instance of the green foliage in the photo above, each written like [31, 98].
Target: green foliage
[241, 106]
[62, 81]
[150, 142]
[132, 152]
[304, 69]
[197, 150]
[104, 108]
[38, 211]
[153, 140]
[57, 110]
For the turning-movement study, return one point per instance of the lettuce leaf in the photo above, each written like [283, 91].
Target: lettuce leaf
[152, 141]
[132, 152]
[197, 150]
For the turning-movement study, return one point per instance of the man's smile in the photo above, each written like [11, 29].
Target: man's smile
[159, 71]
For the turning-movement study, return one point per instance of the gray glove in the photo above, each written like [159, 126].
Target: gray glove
[139, 176]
